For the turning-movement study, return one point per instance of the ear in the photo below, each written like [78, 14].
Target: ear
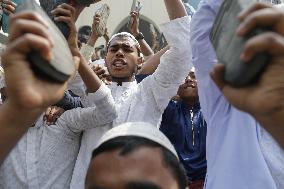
[105, 64]
[140, 60]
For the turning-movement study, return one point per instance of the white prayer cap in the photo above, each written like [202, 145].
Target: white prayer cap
[192, 69]
[1, 72]
[2, 79]
[139, 129]
[2, 82]
[125, 34]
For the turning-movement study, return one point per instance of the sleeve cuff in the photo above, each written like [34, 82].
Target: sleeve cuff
[182, 25]
[99, 94]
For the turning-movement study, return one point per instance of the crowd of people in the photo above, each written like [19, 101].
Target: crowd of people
[132, 118]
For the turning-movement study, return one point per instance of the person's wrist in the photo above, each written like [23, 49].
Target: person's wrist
[75, 51]
[136, 33]
[273, 123]
[274, 117]
[92, 40]
[139, 37]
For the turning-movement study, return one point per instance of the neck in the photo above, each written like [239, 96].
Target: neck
[190, 102]
[119, 81]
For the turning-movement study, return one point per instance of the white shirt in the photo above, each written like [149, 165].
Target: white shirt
[146, 101]
[240, 153]
[45, 156]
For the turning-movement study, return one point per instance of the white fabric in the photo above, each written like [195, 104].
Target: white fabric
[2, 82]
[239, 152]
[146, 101]
[45, 156]
[274, 157]
[139, 129]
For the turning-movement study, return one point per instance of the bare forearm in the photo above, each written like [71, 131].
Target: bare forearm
[145, 48]
[89, 77]
[106, 39]
[175, 9]
[92, 41]
[14, 122]
[152, 63]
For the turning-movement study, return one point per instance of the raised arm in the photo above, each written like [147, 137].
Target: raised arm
[134, 29]
[91, 80]
[150, 65]
[175, 9]
[101, 113]
[28, 96]
[264, 99]
[175, 64]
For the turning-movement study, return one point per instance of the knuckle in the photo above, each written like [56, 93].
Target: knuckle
[18, 23]
[271, 38]
[28, 37]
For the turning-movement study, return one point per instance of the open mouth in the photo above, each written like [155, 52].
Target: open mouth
[189, 86]
[119, 64]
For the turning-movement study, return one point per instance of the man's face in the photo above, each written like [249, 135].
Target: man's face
[122, 58]
[188, 90]
[136, 170]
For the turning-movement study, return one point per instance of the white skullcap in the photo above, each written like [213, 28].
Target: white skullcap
[192, 69]
[126, 34]
[2, 80]
[1, 72]
[139, 129]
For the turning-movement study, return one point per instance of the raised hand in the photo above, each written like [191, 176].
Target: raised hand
[67, 14]
[27, 95]
[9, 7]
[264, 99]
[134, 26]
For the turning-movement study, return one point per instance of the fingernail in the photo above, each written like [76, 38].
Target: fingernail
[240, 31]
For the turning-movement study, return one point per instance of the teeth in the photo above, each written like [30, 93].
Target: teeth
[118, 63]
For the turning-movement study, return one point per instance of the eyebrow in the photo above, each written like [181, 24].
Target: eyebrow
[142, 185]
[135, 185]
[123, 45]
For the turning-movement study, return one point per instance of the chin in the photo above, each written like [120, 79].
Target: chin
[120, 76]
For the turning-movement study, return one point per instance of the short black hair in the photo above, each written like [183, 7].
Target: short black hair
[84, 33]
[128, 144]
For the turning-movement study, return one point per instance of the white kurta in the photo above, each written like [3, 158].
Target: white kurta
[146, 101]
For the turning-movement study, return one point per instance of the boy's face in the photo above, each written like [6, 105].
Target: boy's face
[122, 58]
[136, 170]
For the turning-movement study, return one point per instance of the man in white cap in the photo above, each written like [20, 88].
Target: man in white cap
[135, 155]
[147, 100]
